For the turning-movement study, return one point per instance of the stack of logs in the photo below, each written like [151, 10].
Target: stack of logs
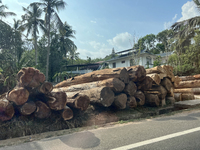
[118, 88]
[188, 89]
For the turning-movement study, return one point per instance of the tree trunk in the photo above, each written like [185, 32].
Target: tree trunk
[136, 73]
[178, 97]
[155, 77]
[79, 101]
[48, 50]
[6, 110]
[176, 81]
[19, 96]
[45, 88]
[187, 96]
[187, 90]
[152, 100]
[197, 96]
[120, 101]
[162, 75]
[187, 78]
[57, 100]
[169, 72]
[95, 76]
[189, 84]
[114, 83]
[27, 108]
[146, 84]
[197, 76]
[157, 69]
[131, 102]
[167, 84]
[42, 110]
[130, 88]
[67, 113]
[159, 90]
[140, 98]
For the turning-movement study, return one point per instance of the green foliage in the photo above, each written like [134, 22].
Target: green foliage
[157, 62]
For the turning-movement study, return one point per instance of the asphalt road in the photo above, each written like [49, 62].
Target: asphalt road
[177, 132]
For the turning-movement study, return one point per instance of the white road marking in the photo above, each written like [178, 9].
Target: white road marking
[162, 138]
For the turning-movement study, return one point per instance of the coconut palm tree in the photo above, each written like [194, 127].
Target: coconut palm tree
[3, 13]
[32, 22]
[51, 7]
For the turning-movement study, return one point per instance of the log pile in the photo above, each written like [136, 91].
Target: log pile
[188, 89]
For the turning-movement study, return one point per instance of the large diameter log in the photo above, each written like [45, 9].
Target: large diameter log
[136, 73]
[152, 100]
[79, 101]
[140, 98]
[19, 96]
[27, 108]
[178, 97]
[176, 81]
[131, 102]
[146, 84]
[187, 96]
[130, 88]
[189, 84]
[42, 110]
[45, 88]
[96, 76]
[187, 78]
[37, 79]
[159, 90]
[157, 69]
[197, 76]
[167, 84]
[67, 113]
[57, 100]
[187, 90]
[155, 77]
[120, 101]
[6, 110]
[114, 83]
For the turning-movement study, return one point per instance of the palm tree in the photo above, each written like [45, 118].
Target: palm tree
[51, 7]
[32, 22]
[3, 13]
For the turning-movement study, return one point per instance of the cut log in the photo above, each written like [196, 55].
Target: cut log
[67, 113]
[167, 84]
[27, 108]
[152, 100]
[197, 76]
[140, 98]
[120, 101]
[42, 110]
[19, 96]
[187, 90]
[114, 83]
[25, 75]
[163, 102]
[197, 96]
[136, 73]
[159, 90]
[155, 77]
[79, 101]
[57, 100]
[146, 84]
[176, 81]
[186, 78]
[162, 75]
[157, 69]
[187, 96]
[131, 102]
[46, 88]
[96, 76]
[189, 84]
[178, 97]
[124, 78]
[170, 100]
[130, 88]
[37, 79]
[6, 110]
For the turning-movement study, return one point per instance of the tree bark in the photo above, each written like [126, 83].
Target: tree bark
[159, 90]
[155, 77]
[187, 78]
[95, 76]
[176, 81]
[79, 101]
[152, 100]
[120, 101]
[42, 110]
[167, 84]
[187, 90]
[131, 102]
[136, 73]
[187, 96]
[189, 84]
[178, 97]
[67, 113]
[6, 110]
[130, 89]
[27, 108]
[157, 69]
[140, 98]
[45, 88]
[114, 83]
[146, 84]
[19, 96]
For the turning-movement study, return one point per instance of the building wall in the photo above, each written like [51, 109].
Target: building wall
[119, 63]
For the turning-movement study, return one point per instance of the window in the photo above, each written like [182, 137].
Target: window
[114, 65]
[123, 61]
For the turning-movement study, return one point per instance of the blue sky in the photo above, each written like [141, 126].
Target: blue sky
[103, 24]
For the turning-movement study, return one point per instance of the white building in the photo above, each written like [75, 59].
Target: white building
[130, 57]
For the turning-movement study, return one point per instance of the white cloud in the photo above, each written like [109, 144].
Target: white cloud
[93, 21]
[121, 41]
[167, 25]
[189, 10]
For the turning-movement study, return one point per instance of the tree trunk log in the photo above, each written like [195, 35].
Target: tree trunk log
[162, 75]
[176, 81]
[114, 83]
[67, 113]
[197, 76]
[187, 96]
[167, 84]
[157, 69]
[197, 96]
[98, 75]
[120, 101]
[79, 101]
[6, 110]
[146, 84]
[155, 77]
[178, 97]
[19, 96]
[131, 102]
[130, 88]
[140, 98]
[152, 100]
[45, 88]
[27, 108]
[136, 73]
[189, 84]
[159, 90]
[42, 110]
[187, 90]
[187, 78]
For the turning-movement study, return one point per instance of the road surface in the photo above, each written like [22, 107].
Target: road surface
[177, 132]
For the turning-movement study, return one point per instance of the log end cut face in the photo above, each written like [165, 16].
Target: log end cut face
[42, 110]
[120, 101]
[67, 114]
[59, 100]
[106, 97]
[82, 102]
